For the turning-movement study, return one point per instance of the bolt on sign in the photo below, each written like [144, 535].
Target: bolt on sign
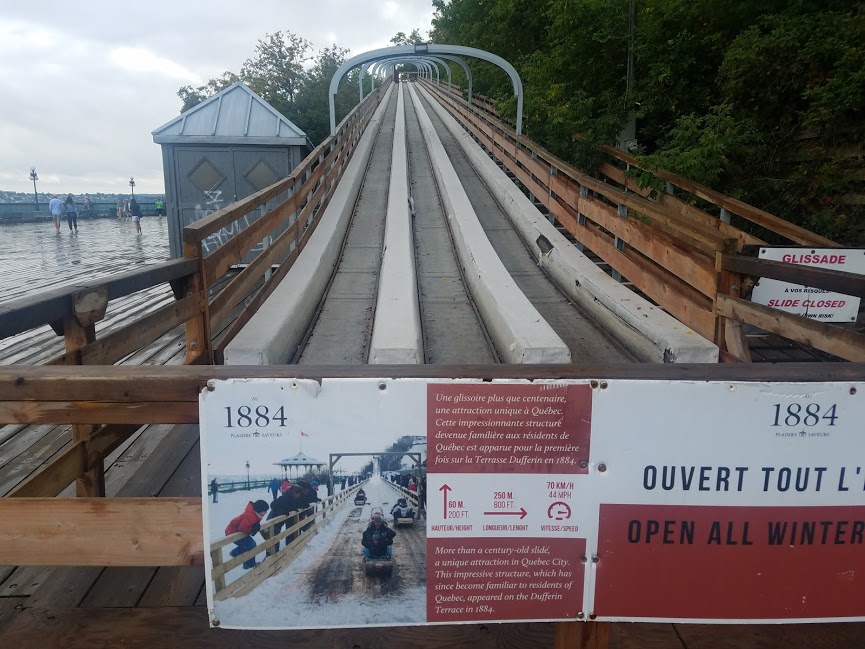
[416, 501]
[806, 301]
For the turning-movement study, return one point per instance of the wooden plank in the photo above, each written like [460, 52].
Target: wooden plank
[98, 412]
[101, 531]
[829, 280]
[146, 628]
[841, 342]
[198, 339]
[740, 208]
[118, 344]
[45, 307]
[172, 384]
[673, 295]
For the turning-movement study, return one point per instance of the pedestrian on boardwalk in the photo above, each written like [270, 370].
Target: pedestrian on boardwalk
[71, 214]
[249, 522]
[214, 490]
[273, 487]
[121, 209]
[89, 212]
[57, 211]
[135, 210]
[160, 207]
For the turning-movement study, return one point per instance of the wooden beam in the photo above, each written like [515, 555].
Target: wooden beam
[198, 340]
[829, 280]
[98, 412]
[157, 385]
[828, 338]
[101, 532]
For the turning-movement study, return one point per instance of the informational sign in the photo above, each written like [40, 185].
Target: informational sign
[507, 471]
[810, 302]
[736, 502]
[547, 500]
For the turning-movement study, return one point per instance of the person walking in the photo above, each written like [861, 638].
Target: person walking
[135, 210]
[214, 490]
[88, 207]
[121, 209]
[273, 487]
[160, 207]
[71, 214]
[57, 210]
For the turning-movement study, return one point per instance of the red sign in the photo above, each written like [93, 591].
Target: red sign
[508, 428]
[471, 579]
[669, 561]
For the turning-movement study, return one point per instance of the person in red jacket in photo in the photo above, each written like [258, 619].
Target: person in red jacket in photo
[249, 522]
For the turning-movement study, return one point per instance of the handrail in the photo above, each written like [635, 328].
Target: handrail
[48, 307]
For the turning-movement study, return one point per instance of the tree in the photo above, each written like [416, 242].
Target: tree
[401, 39]
[276, 72]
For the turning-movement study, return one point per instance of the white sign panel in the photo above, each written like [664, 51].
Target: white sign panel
[545, 500]
[815, 303]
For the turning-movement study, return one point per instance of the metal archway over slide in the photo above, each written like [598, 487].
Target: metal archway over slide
[336, 457]
[439, 58]
[424, 49]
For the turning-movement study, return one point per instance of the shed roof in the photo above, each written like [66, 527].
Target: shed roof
[235, 115]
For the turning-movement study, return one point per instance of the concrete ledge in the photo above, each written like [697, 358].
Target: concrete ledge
[647, 331]
[396, 333]
[520, 333]
[273, 334]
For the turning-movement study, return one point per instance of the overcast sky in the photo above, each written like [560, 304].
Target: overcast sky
[84, 83]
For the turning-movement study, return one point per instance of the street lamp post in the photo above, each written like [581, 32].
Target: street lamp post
[247, 462]
[132, 185]
[34, 177]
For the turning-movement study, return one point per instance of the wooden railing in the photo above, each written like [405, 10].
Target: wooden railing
[274, 561]
[671, 252]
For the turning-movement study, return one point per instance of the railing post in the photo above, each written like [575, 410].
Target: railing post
[729, 336]
[79, 330]
[218, 582]
[620, 244]
[199, 349]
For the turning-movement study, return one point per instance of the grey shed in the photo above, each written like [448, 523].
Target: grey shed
[225, 148]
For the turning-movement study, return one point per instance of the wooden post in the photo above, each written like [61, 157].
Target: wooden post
[199, 349]
[729, 335]
[582, 635]
[79, 330]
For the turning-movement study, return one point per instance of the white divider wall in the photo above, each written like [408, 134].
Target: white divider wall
[647, 331]
[396, 334]
[520, 333]
[272, 335]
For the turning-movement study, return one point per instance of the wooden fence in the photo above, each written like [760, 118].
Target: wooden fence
[686, 260]
[275, 561]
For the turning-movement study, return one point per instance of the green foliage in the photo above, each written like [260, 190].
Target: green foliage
[761, 100]
[278, 72]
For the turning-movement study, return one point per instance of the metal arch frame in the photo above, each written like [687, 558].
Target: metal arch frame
[439, 58]
[426, 61]
[422, 49]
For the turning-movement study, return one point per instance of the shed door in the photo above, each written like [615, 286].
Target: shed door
[205, 184]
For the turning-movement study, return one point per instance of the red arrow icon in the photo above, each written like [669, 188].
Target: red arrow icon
[522, 513]
[445, 488]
